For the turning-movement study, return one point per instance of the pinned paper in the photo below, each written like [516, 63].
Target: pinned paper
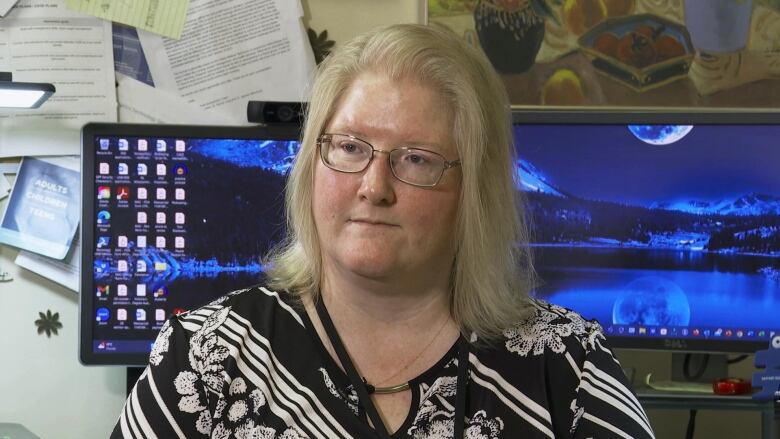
[164, 17]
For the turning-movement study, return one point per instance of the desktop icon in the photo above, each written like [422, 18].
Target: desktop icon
[123, 145]
[102, 314]
[160, 266]
[179, 170]
[178, 218]
[103, 217]
[161, 169]
[121, 290]
[161, 193]
[159, 314]
[140, 266]
[141, 169]
[122, 169]
[123, 193]
[140, 290]
[100, 266]
[140, 315]
[102, 290]
[143, 145]
[161, 292]
[121, 314]
[141, 193]
[103, 241]
[179, 194]
[180, 145]
[121, 266]
[141, 217]
[121, 241]
[140, 241]
[103, 144]
[160, 218]
[160, 242]
[160, 146]
[104, 192]
[104, 169]
[178, 242]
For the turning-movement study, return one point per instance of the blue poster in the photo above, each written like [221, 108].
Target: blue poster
[43, 211]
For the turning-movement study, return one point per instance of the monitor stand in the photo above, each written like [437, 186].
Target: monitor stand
[700, 368]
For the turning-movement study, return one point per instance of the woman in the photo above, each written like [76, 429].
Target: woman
[399, 303]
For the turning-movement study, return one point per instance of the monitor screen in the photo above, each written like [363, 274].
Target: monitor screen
[663, 227]
[172, 218]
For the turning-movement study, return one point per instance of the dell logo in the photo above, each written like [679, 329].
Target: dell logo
[673, 343]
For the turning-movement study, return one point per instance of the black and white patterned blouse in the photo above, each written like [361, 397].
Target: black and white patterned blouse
[250, 365]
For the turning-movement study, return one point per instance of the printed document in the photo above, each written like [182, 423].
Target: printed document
[43, 41]
[64, 272]
[5, 6]
[140, 103]
[233, 51]
[164, 17]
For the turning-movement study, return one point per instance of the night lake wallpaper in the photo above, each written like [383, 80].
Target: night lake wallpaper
[673, 227]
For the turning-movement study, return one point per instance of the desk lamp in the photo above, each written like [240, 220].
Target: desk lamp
[22, 94]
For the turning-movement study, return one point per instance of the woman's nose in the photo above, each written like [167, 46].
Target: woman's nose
[378, 185]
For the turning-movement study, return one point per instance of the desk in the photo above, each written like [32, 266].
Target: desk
[652, 399]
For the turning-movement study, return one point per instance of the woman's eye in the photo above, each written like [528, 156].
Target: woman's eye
[350, 148]
[416, 159]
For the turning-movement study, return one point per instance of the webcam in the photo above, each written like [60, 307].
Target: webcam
[275, 112]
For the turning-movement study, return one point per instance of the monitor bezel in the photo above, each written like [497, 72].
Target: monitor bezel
[286, 132]
[651, 116]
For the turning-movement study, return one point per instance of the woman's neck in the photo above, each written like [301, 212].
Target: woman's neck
[384, 305]
[391, 335]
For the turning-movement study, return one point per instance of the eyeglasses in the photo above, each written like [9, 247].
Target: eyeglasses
[415, 166]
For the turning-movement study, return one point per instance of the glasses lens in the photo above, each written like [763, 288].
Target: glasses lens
[417, 166]
[344, 153]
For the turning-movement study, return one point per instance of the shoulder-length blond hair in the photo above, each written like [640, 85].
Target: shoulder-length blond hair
[492, 273]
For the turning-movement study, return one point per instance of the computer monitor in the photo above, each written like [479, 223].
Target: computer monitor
[172, 218]
[665, 227]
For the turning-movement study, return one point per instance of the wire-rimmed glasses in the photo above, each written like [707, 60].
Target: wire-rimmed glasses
[415, 166]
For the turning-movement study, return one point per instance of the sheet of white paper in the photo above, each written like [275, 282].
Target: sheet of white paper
[5, 6]
[42, 41]
[140, 103]
[64, 272]
[233, 51]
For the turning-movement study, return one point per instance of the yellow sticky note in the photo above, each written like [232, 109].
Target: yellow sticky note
[164, 17]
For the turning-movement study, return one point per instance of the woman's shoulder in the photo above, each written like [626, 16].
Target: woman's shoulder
[251, 304]
[550, 330]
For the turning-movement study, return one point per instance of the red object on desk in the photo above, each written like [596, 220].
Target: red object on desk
[731, 386]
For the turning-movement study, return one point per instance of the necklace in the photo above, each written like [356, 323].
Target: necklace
[365, 398]
[403, 386]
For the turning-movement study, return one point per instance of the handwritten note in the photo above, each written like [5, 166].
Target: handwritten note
[164, 17]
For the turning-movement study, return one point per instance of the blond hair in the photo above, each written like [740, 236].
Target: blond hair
[492, 273]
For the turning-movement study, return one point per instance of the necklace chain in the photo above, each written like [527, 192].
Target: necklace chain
[403, 386]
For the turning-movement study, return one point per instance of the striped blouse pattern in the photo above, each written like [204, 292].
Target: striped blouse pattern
[250, 365]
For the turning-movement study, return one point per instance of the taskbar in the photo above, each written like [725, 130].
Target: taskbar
[690, 332]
